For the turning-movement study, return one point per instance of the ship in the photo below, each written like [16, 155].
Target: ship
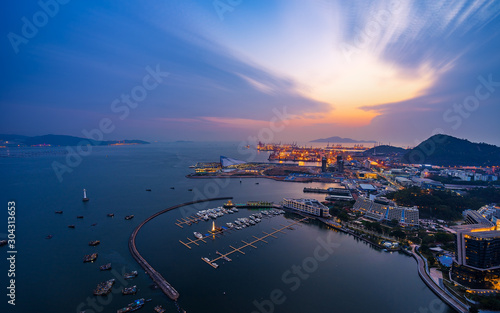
[105, 267]
[198, 235]
[94, 243]
[104, 288]
[130, 275]
[90, 257]
[128, 217]
[130, 290]
[134, 306]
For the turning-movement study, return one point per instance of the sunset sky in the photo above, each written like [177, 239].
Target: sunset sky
[392, 71]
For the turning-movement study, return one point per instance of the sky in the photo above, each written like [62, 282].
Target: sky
[270, 70]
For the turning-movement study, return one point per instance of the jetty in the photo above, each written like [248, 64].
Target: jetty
[250, 244]
[157, 278]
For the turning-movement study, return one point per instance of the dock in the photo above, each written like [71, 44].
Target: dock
[157, 278]
[251, 243]
[202, 239]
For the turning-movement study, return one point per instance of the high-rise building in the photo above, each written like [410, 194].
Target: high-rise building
[477, 262]
[340, 164]
[323, 164]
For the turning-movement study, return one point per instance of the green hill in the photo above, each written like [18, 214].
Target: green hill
[450, 151]
[384, 150]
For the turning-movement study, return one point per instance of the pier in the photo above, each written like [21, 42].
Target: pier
[195, 242]
[251, 244]
[157, 278]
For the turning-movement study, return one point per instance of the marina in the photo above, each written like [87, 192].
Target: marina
[155, 276]
[250, 244]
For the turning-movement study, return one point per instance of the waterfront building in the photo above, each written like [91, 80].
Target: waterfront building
[381, 209]
[477, 261]
[309, 206]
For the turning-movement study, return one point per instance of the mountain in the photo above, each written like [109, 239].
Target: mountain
[384, 150]
[450, 151]
[337, 139]
[58, 140]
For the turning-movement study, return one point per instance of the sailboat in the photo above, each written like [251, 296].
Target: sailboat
[85, 199]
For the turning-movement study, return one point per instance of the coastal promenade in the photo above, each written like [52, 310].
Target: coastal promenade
[155, 276]
[451, 301]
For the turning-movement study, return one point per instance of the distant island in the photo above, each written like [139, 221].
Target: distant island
[8, 140]
[337, 139]
[450, 151]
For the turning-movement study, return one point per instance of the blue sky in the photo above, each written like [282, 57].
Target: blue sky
[393, 71]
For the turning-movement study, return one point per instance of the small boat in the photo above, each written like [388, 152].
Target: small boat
[85, 198]
[105, 267]
[93, 224]
[48, 237]
[198, 235]
[129, 217]
[111, 214]
[104, 288]
[3, 243]
[159, 309]
[215, 265]
[256, 183]
[71, 226]
[130, 275]
[90, 257]
[172, 187]
[130, 290]
[79, 216]
[59, 212]
[148, 189]
[190, 189]
[94, 243]
[206, 260]
[136, 305]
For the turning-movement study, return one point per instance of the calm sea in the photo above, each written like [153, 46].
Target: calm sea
[307, 269]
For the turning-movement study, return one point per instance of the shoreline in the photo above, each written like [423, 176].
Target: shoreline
[275, 178]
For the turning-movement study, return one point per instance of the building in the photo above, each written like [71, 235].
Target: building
[383, 209]
[309, 206]
[477, 261]
[323, 164]
[340, 164]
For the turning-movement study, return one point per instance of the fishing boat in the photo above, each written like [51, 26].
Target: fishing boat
[134, 306]
[130, 275]
[130, 290]
[105, 267]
